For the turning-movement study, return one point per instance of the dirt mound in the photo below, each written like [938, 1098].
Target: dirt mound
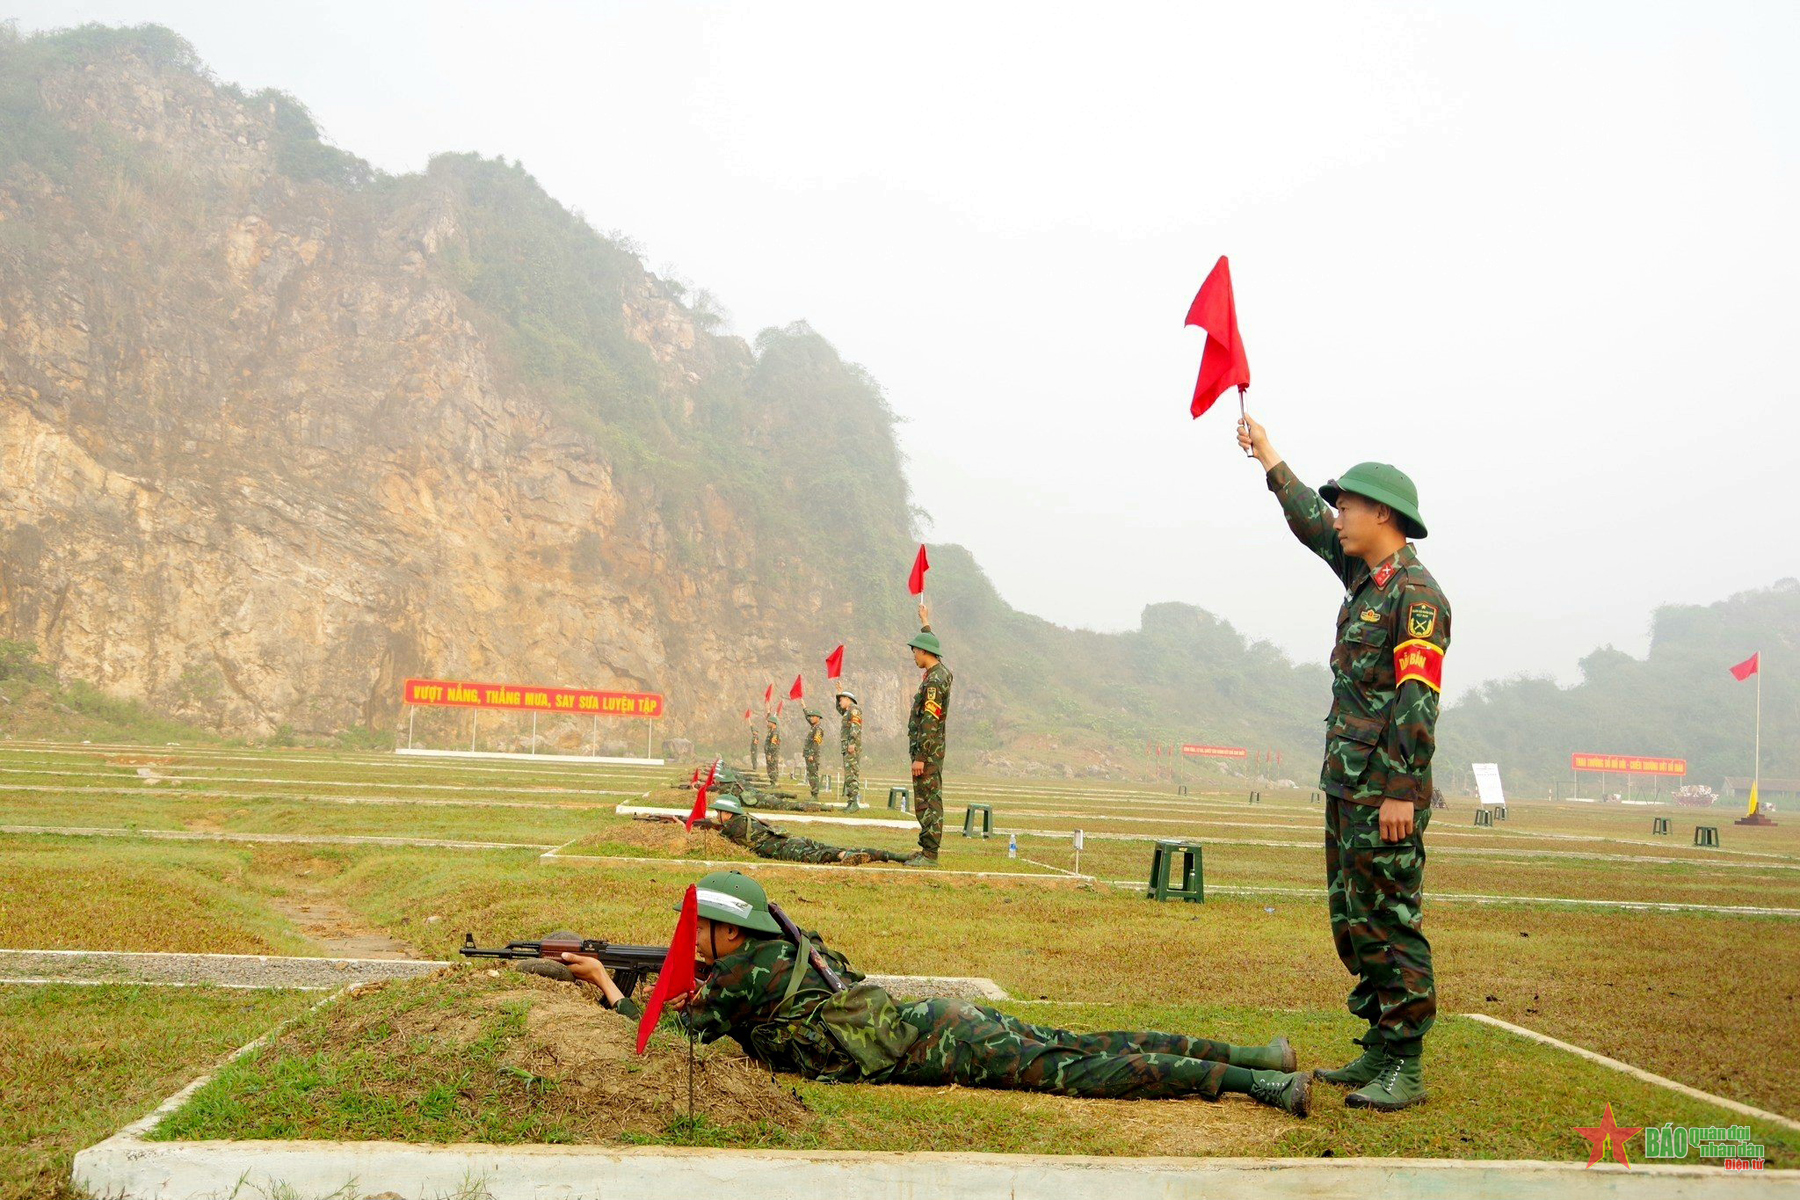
[527, 1059]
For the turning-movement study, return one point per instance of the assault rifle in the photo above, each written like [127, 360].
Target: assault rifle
[627, 964]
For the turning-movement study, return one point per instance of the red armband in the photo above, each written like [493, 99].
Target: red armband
[1420, 660]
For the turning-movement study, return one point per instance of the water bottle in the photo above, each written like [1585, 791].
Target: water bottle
[1012, 845]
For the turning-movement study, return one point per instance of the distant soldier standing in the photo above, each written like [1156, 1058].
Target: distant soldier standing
[850, 744]
[1386, 671]
[755, 742]
[815, 744]
[772, 749]
[925, 740]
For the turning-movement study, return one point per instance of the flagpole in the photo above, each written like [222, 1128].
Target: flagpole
[1244, 416]
[1756, 775]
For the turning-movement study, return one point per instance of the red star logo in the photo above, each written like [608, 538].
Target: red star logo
[1609, 1131]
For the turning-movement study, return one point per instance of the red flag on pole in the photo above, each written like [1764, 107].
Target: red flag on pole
[778, 705]
[1748, 667]
[798, 691]
[1224, 364]
[768, 695]
[699, 813]
[746, 714]
[915, 583]
[834, 663]
[677, 975]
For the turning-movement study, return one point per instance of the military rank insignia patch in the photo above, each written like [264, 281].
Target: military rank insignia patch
[1385, 573]
[1370, 615]
[1421, 619]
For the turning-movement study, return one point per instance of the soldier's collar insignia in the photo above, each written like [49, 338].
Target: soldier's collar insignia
[1385, 572]
[1370, 615]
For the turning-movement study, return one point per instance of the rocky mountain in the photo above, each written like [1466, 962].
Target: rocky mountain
[277, 431]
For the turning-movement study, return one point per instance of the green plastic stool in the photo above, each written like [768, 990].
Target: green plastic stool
[987, 820]
[1483, 816]
[1659, 825]
[1181, 789]
[1501, 812]
[897, 797]
[1193, 873]
[1706, 835]
[1256, 797]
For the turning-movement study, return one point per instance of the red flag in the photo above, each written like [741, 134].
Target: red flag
[677, 975]
[768, 695]
[699, 813]
[915, 583]
[746, 714]
[778, 705]
[834, 663]
[798, 691]
[1224, 364]
[1748, 667]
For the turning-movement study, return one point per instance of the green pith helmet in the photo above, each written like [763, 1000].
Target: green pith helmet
[734, 899]
[850, 694]
[928, 643]
[812, 714]
[1384, 484]
[725, 804]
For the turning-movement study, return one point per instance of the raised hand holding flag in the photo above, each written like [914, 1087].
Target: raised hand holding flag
[1224, 363]
[677, 975]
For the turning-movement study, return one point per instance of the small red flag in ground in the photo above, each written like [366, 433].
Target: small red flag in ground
[798, 691]
[834, 663]
[1224, 364]
[768, 695]
[677, 975]
[700, 790]
[1748, 667]
[915, 582]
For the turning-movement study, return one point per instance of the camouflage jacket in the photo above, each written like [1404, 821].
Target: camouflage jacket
[747, 831]
[1387, 666]
[930, 711]
[850, 731]
[772, 742]
[745, 998]
[815, 738]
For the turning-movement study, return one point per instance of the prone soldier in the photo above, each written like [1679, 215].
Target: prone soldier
[796, 1005]
[766, 841]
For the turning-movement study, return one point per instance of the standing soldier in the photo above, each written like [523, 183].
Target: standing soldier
[850, 743]
[1386, 671]
[815, 743]
[772, 749]
[755, 744]
[925, 739]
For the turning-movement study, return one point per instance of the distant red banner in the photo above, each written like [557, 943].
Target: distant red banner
[450, 693]
[1216, 751]
[1627, 764]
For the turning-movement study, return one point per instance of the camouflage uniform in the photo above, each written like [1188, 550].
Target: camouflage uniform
[772, 751]
[745, 997]
[925, 742]
[755, 749]
[1393, 629]
[850, 744]
[815, 744]
[765, 841]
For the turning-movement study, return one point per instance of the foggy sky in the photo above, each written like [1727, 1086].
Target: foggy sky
[1541, 256]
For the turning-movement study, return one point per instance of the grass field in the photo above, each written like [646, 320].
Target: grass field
[1704, 995]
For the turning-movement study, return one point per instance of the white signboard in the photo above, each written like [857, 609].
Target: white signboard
[1487, 783]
